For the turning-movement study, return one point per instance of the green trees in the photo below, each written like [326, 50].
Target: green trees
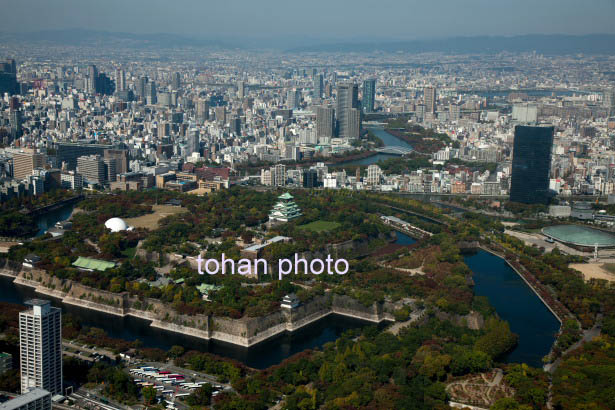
[585, 378]
[497, 340]
[201, 396]
[149, 395]
[508, 403]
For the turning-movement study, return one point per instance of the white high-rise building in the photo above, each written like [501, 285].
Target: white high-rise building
[374, 175]
[40, 344]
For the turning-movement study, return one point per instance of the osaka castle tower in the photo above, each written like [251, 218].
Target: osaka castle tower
[284, 210]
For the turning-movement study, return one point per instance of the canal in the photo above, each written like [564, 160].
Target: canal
[388, 140]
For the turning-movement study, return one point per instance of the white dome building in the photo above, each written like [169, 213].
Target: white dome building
[116, 225]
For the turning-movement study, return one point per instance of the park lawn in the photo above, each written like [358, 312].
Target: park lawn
[321, 226]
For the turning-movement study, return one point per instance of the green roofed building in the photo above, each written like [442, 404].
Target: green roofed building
[92, 264]
[206, 289]
[285, 209]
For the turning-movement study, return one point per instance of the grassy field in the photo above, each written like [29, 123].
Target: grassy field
[150, 221]
[320, 226]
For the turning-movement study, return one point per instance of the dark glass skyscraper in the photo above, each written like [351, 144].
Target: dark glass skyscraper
[531, 164]
[369, 95]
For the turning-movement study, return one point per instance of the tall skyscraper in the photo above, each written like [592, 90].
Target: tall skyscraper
[347, 99]
[354, 123]
[193, 142]
[531, 164]
[369, 95]
[293, 98]
[120, 80]
[25, 162]
[92, 79]
[8, 77]
[241, 90]
[140, 87]
[40, 344]
[325, 123]
[150, 93]
[176, 81]
[318, 86]
[202, 110]
[429, 99]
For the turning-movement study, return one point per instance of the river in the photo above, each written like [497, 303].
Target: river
[388, 140]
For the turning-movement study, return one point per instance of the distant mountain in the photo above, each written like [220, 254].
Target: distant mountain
[92, 38]
[544, 44]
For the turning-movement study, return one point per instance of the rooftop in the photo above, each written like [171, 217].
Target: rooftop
[24, 399]
[93, 264]
[580, 235]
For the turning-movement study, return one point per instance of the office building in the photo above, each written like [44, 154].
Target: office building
[241, 90]
[325, 122]
[429, 99]
[8, 78]
[317, 86]
[140, 87]
[71, 180]
[120, 80]
[525, 113]
[531, 164]
[40, 344]
[25, 162]
[193, 143]
[110, 169]
[354, 123]
[35, 399]
[374, 175]
[91, 79]
[347, 99]
[68, 152]
[220, 115]
[176, 81]
[369, 95]
[202, 111]
[293, 98]
[16, 123]
[121, 159]
[93, 169]
[278, 175]
[151, 97]
[310, 178]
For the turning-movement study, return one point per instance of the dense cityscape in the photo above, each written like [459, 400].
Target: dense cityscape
[191, 224]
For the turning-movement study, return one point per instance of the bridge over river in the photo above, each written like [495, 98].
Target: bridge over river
[394, 150]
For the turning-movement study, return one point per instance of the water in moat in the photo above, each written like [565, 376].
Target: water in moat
[512, 298]
[49, 219]
[261, 356]
[516, 303]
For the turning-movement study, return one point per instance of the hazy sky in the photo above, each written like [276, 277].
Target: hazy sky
[318, 19]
